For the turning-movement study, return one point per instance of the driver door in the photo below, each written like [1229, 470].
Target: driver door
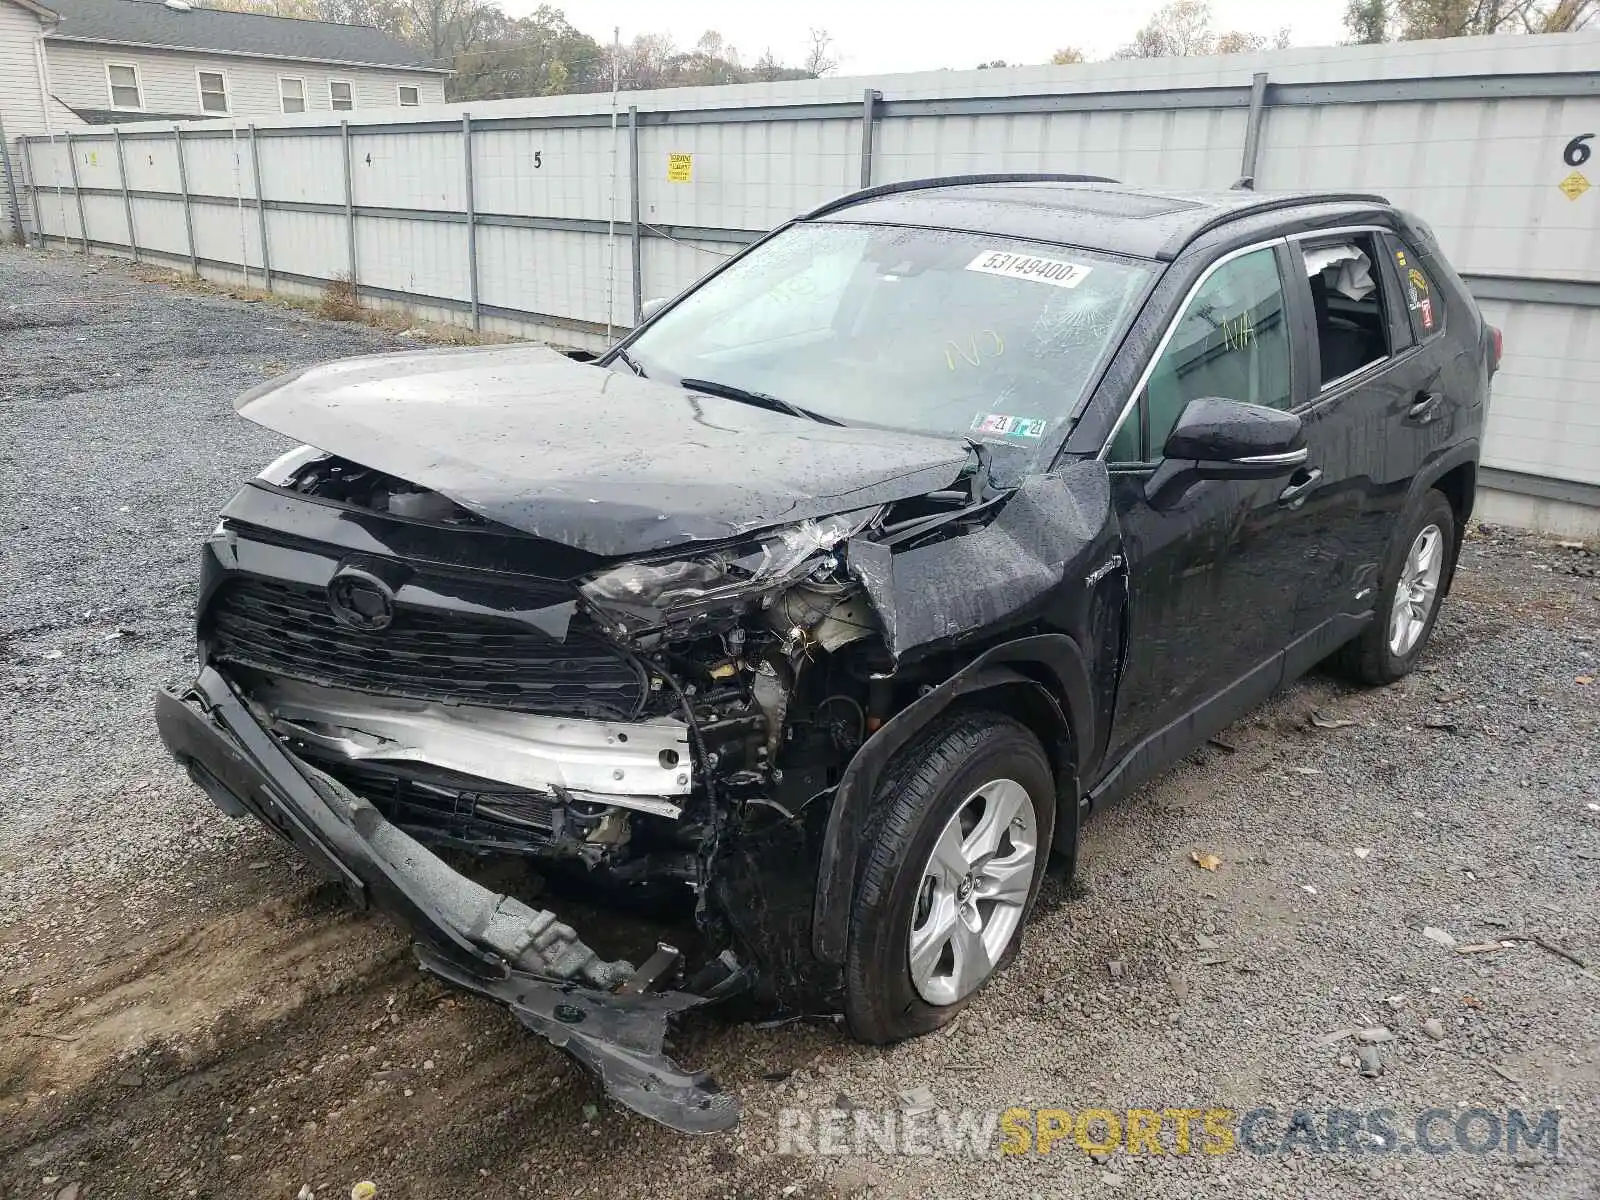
[1213, 571]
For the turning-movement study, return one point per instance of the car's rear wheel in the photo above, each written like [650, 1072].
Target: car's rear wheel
[1420, 561]
[953, 864]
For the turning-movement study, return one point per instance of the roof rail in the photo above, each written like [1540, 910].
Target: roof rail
[1264, 204]
[915, 185]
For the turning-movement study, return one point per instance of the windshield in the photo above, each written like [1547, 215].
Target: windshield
[920, 329]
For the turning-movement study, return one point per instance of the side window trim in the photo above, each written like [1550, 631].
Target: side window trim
[1132, 405]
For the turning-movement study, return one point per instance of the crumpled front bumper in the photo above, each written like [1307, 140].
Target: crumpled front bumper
[475, 939]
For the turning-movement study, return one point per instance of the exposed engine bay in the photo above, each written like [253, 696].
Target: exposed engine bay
[427, 649]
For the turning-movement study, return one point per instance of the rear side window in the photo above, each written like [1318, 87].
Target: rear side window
[1416, 286]
[1347, 297]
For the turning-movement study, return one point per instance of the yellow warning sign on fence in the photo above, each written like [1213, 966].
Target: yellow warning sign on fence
[1574, 185]
[679, 167]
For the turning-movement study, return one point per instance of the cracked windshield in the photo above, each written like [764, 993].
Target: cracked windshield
[927, 330]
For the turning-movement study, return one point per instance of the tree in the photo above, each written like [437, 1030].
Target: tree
[820, 59]
[1066, 56]
[1183, 27]
[537, 55]
[1370, 21]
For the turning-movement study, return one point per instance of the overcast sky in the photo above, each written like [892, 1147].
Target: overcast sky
[874, 36]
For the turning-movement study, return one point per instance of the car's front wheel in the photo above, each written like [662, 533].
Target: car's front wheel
[953, 864]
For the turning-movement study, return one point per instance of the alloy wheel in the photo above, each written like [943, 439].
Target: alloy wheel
[1417, 592]
[973, 892]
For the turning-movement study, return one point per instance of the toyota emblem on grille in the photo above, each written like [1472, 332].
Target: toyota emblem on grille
[360, 600]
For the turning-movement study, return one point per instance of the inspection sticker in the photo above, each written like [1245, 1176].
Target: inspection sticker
[1028, 427]
[1030, 266]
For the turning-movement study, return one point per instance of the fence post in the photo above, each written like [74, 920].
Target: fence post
[472, 218]
[77, 195]
[11, 183]
[188, 211]
[1252, 130]
[349, 205]
[869, 118]
[633, 189]
[261, 212]
[127, 201]
[30, 189]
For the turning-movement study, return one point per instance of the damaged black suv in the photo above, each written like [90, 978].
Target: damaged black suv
[828, 601]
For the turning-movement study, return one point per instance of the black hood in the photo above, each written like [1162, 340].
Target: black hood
[589, 457]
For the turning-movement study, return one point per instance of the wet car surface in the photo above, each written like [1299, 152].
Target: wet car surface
[840, 672]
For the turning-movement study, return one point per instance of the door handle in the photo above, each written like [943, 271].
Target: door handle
[1300, 487]
[1426, 407]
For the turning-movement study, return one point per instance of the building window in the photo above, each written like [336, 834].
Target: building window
[341, 95]
[123, 80]
[213, 91]
[410, 96]
[292, 92]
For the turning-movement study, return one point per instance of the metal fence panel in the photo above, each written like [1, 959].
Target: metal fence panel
[1473, 134]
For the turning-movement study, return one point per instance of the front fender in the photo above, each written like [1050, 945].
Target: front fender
[1051, 663]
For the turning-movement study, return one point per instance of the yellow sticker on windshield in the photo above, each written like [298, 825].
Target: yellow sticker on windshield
[1030, 266]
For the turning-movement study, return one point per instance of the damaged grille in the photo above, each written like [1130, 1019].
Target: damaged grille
[458, 810]
[425, 654]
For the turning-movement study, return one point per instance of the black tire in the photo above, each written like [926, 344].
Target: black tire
[1369, 658]
[921, 791]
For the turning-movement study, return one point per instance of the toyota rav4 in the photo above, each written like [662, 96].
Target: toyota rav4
[831, 599]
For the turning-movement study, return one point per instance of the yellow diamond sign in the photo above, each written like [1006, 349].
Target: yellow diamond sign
[1574, 185]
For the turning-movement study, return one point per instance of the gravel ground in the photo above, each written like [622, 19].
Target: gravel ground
[184, 1013]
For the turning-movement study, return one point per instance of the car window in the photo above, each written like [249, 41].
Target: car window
[1230, 342]
[1427, 316]
[933, 330]
[1348, 301]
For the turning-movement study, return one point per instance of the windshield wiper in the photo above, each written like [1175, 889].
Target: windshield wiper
[760, 399]
[629, 363]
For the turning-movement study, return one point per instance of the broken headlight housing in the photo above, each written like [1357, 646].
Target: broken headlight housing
[682, 587]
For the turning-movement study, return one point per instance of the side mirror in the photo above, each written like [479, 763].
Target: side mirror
[1228, 439]
[651, 307]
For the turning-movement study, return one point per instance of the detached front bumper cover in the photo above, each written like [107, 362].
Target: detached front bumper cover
[474, 938]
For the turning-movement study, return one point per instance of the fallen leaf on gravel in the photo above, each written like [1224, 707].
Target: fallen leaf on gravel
[1322, 722]
[1472, 1002]
[1206, 862]
[1585, 680]
[365, 1190]
[1434, 934]
[1362, 851]
[1308, 889]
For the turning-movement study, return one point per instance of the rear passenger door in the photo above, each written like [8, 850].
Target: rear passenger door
[1373, 396]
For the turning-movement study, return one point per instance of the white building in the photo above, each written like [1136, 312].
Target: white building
[70, 63]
